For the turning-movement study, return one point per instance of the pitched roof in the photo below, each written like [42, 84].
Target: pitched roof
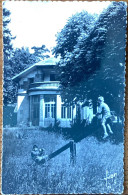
[48, 61]
[45, 63]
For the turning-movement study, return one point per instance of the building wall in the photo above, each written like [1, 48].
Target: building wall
[45, 122]
[38, 76]
[23, 109]
[23, 117]
[30, 75]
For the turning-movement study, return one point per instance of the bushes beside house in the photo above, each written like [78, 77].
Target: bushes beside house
[9, 116]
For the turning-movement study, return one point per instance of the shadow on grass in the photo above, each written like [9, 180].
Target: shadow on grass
[79, 132]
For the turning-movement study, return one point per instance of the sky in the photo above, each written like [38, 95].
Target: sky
[36, 23]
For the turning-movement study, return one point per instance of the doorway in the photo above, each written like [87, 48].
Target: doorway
[35, 105]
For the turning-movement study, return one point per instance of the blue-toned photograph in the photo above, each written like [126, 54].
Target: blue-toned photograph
[63, 97]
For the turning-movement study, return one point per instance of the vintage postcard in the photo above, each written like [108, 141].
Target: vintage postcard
[63, 97]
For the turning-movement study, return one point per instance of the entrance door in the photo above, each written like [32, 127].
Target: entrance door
[35, 110]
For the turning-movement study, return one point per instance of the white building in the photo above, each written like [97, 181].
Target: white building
[39, 102]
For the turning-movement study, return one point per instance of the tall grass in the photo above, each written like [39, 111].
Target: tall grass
[21, 175]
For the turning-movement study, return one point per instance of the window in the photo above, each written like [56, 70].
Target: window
[69, 112]
[50, 106]
[31, 80]
[53, 110]
[47, 110]
[65, 112]
[52, 77]
[50, 110]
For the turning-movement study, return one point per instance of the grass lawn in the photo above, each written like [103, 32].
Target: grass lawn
[95, 162]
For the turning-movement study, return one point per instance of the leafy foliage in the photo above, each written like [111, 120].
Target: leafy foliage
[40, 52]
[19, 61]
[92, 58]
[7, 38]
[78, 25]
[109, 81]
[22, 59]
[8, 52]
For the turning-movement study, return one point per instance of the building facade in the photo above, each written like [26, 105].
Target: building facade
[39, 102]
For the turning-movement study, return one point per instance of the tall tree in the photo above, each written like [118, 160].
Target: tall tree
[89, 65]
[22, 59]
[78, 25]
[8, 53]
[109, 81]
[7, 37]
[70, 69]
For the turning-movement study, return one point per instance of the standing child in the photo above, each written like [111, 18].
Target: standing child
[103, 111]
